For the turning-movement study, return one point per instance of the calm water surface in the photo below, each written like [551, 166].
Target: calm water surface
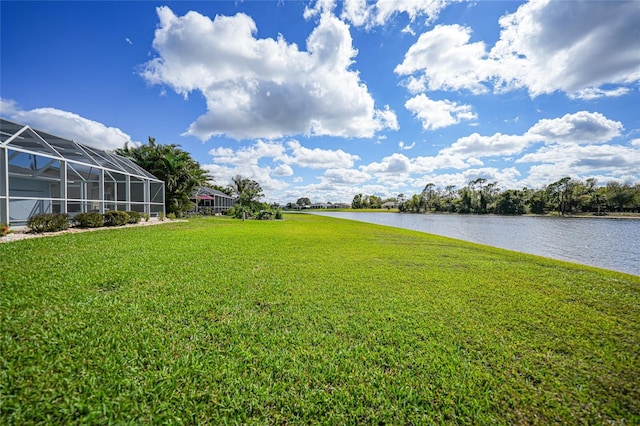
[605, 243]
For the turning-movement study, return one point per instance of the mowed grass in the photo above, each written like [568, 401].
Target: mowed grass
[309, 320]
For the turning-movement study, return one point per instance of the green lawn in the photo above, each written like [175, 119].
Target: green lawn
[307, 320]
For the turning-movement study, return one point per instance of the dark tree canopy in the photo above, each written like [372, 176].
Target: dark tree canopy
[564, 196]
[179, 171]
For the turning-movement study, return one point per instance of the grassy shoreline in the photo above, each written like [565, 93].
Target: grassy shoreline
[311, 319]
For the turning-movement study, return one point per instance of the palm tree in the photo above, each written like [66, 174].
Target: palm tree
[248, 191]
[180, 173]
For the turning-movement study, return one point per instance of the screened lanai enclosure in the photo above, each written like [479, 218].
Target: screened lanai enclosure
[43, 173]
[211, 201]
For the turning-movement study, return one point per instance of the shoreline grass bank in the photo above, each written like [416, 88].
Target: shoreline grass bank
[311, 319]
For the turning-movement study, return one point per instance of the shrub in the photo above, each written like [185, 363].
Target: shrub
[278, 214]
[171, 216]
[264, 215]
[206, 211]
[89, 220]
[134, 217]
[4, 229]
[48, 222]
[115, 218]
[160, 216]
[239, 212]
[146, 217]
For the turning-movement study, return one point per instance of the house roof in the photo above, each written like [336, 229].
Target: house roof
[203, 191]
[23, 138]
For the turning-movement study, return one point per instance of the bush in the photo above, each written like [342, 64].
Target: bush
[134, 217]
[115, 218]
[146, 217]
[160, 216]
[4, 229]
[171, 216]
[247, 213]
[89, 220]
[264, 215]
[48, 222]
[239, 212]
[206, 211]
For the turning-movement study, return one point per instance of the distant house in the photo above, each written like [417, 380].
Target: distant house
[329, 206]
[389, 205]
[43, 173]
[341, 205]
[214, 201]
[321, 206]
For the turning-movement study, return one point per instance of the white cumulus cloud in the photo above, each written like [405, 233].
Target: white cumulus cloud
[249, 154]
[283, 170]
[67, 125]
[393, 164]
[586, 49]
[264, 88]
[583, 127]
[437, 114]
[443, 59]
[318, 158]
[363, 13]
[570, 46]
[608, 162]
[345, 176]
[489, 146]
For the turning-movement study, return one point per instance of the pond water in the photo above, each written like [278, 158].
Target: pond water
[602, 242]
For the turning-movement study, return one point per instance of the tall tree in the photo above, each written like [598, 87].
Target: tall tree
[248, 191]
[375, 202]
[466, 200]
[537, 200]
[427, 194]
[510, 202]
[449, 206]
[561, 192]
[179, 171]
[357, 202]
[620, 195]
[303, 201]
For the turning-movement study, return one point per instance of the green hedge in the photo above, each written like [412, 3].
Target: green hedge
[115, 218]
[134, 217]
[48, 222]
[89, 220]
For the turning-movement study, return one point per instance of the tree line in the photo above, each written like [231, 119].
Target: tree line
[565, 196]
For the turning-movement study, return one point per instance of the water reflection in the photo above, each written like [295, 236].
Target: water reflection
[605, 243]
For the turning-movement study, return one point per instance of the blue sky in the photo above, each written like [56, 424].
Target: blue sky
[326, 99]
